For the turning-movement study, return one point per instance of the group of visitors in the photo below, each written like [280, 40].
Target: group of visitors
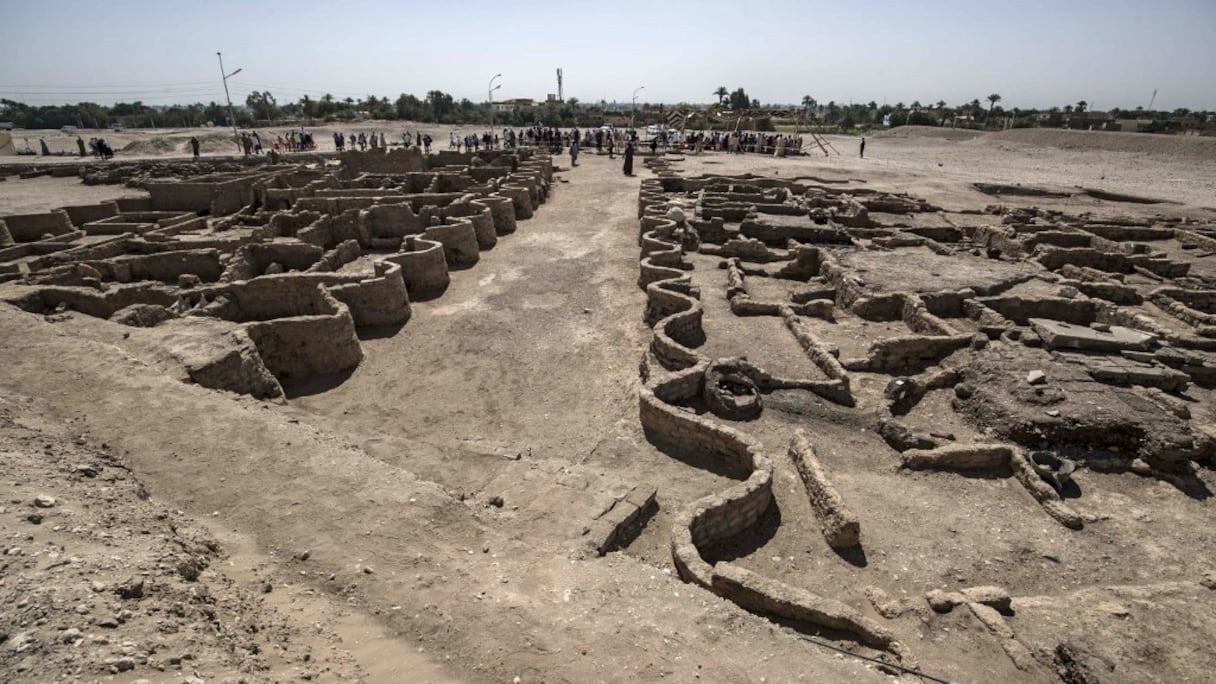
[98, 147]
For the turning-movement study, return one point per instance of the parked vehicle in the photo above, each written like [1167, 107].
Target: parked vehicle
[67, 129]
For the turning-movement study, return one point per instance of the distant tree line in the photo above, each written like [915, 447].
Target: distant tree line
[729, 108]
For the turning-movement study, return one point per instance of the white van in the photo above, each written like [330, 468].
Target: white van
[67, 129]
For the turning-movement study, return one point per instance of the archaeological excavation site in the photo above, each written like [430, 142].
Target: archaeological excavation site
[487, 416]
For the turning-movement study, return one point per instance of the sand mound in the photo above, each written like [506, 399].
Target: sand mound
[1102, 141]
[933, 132]
[146, 146]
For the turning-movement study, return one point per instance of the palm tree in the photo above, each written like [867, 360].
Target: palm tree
[722, 93]
[1081, 105]
[940, 104]
[307, 104]
[916, 105]
[992, 100]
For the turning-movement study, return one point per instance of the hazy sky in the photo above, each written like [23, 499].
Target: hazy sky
[1035, 53]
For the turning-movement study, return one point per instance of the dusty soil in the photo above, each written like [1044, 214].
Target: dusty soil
[350, 532]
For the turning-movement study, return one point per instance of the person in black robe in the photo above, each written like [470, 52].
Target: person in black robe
[629, 158]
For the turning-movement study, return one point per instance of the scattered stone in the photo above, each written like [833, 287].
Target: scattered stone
[70, 635]
[496, 501]
[963, 390]
[1036, 377]
[35, 518]
[368, 570]
[1209, 580]
[1069, 292]
[942, 601]
[995, 597]
[189, 569]
[44, 501]
[303, 555]
[131, 589]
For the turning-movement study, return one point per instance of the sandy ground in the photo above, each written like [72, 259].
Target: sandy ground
[363, 501]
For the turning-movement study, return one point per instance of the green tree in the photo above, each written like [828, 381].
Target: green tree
[722, 93]
[1082, 105]
[992, 100]
[262, 104]
[739, 100]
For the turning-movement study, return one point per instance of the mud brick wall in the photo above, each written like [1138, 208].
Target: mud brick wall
[1021, 309]
[88, 213]
[396, 160]
[423, 266]
[391, 220]
[770, 597]
[477, 214]
[669, 297]
[376, 302]
[502, 212]
[880, 307]
[31, 227]
[1198, 239]
[87, 300]
[459, 241]
[287, 224]
[947, 303]
[840, 527]
[307, 346]
[275, 296]
[1118, 233]
[252, 260]
[335, 258]
[908, 351]
[130, 204]
[219, 195]
[163, 266]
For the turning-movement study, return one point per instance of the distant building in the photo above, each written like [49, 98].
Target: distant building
[1090, 121]
[514, 104]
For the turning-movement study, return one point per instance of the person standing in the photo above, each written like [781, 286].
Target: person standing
[574, 151]
[608, 143]
[194, 147]
[863, 148]
[80, 145]
[629, 157]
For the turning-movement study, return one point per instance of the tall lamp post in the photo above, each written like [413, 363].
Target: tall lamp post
[490, 88]
[635, 105]
[235, 137]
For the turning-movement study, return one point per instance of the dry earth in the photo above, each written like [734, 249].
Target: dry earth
[421, 518]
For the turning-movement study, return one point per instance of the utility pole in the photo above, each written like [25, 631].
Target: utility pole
[634, 107]
[231, 116]
[490, 88]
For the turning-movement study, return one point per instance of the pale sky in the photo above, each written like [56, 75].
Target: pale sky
[1034, 53]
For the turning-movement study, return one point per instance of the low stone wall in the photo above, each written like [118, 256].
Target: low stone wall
[300, 347]
[379, 301]
[88, 213]
[909, 351]
[459, 240]
[32, 227]
[252, 260]
[841, 529]
[480, 216]
[165, 267]
[502, 211]
[423, 266]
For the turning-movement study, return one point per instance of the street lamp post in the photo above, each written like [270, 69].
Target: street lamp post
[633, 108]
[231, 116]
[490, 88]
